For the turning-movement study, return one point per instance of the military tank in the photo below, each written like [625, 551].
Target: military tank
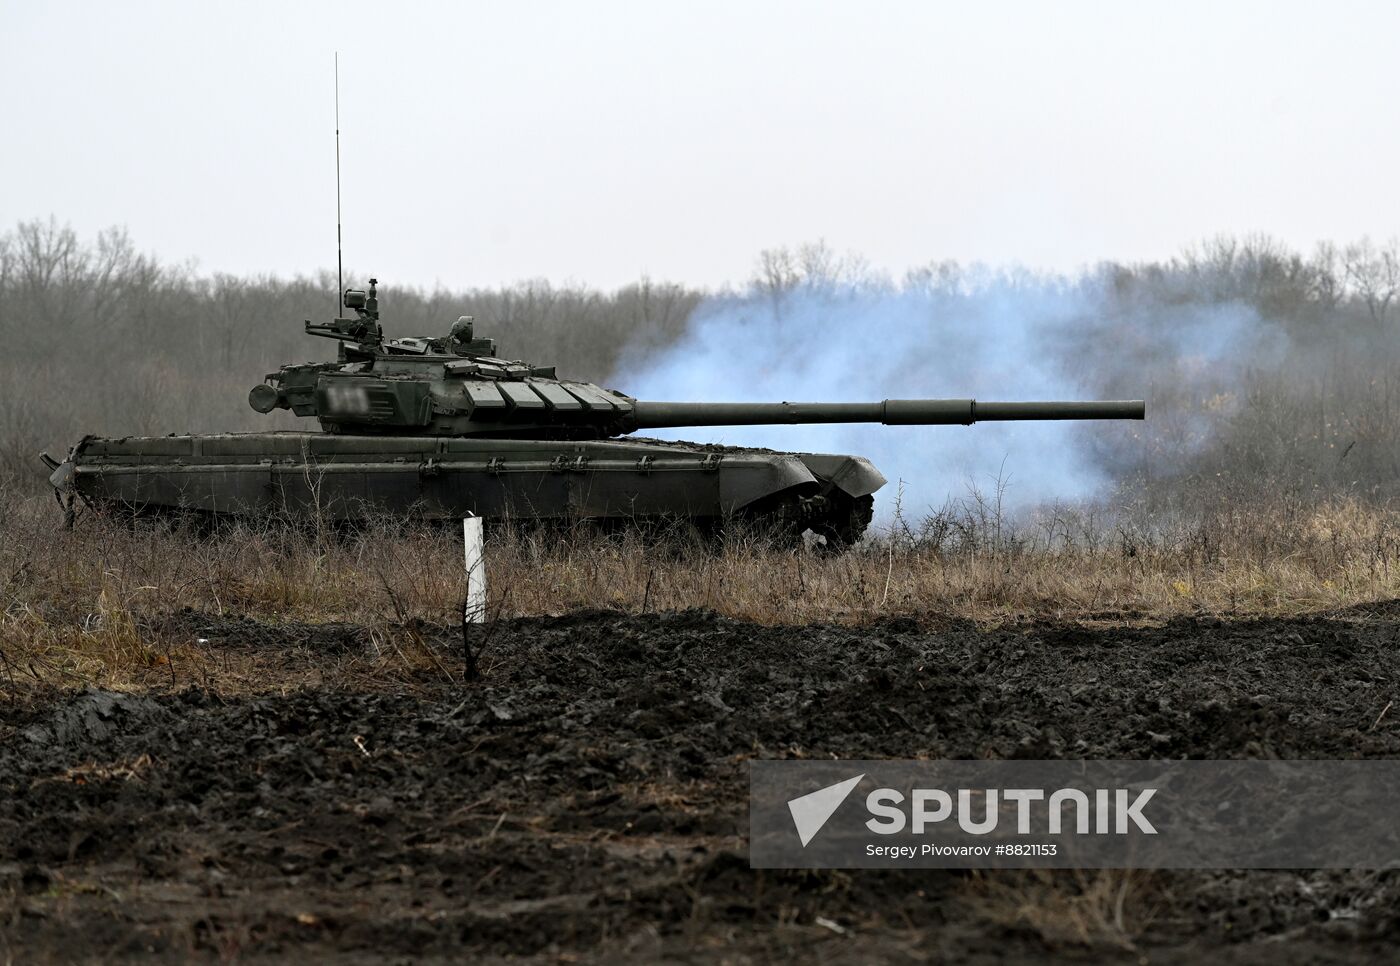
[440, 428]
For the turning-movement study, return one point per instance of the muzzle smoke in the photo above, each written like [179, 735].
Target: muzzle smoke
[991, 335]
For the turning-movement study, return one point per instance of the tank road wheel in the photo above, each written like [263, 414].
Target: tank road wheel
[777, 521]
[826, 524]
[844, 522]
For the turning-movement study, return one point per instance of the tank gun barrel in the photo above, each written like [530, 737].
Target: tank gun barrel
[891, 412]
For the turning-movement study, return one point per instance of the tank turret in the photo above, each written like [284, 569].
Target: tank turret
[456, 386]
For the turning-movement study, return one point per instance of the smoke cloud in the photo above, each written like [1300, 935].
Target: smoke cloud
[947, 332]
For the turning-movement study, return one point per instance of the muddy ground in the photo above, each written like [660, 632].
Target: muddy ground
[586, 802]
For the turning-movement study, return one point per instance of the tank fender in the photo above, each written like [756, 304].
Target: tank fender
[855, 476]
[61, 473]
[746, 479]
[61, 478]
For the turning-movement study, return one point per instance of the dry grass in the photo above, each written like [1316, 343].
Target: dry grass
[90, 604]
[1101, 909]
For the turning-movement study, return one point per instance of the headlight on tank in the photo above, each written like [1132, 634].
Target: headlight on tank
[265, 399]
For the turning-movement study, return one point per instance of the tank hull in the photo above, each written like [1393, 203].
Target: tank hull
[342, 477]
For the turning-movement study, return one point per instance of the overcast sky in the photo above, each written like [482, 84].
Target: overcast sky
[596, 141]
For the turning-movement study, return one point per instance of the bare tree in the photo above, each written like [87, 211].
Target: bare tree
[51, 268]
[1373, 273]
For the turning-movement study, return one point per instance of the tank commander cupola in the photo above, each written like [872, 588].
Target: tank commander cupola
[462, 341]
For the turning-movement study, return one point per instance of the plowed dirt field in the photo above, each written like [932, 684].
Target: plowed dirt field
[586, 801]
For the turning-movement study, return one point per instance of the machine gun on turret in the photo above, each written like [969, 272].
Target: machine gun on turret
[364, 329]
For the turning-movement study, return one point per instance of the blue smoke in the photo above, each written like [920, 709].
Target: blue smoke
[988, 335]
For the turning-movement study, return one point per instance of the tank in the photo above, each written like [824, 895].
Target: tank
[441, 428]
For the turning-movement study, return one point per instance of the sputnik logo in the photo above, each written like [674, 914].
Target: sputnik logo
[811, 811]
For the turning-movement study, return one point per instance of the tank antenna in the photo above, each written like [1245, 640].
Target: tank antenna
[339, 263]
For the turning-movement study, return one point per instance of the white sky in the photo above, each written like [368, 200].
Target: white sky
[595, 141]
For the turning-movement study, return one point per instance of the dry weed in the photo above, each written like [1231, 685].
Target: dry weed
[1104, 909]
[93, 604]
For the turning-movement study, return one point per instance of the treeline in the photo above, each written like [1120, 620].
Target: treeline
[1269, 372]
[1273, 376]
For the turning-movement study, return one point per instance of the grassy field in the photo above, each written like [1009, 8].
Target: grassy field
[92, 604]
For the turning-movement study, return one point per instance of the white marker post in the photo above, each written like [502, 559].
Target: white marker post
[474, 611]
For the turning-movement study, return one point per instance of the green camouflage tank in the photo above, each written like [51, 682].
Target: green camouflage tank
[440, 428]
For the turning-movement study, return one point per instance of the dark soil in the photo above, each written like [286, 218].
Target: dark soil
[587, 800]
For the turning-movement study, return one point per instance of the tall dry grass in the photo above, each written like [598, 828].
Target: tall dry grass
[96, 603]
